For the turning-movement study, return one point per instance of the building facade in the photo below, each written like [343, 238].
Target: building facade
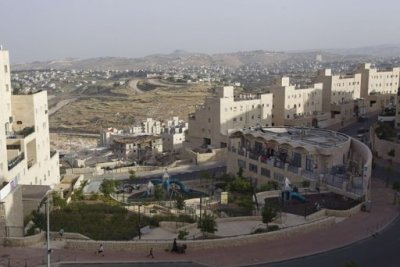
[25, 155]
[323, 157]
[209, 124]
[291, 104]
[137, 148]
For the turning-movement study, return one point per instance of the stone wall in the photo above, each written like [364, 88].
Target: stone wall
[23, 241]
[201, 244]
[383, 147]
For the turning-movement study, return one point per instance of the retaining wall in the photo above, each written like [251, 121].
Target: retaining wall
[23, 241]
[201, 244]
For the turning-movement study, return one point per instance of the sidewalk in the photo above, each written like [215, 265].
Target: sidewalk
[357, 227]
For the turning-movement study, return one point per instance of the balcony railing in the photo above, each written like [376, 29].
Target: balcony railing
[22, 133]
[293, 169]
[15, 161]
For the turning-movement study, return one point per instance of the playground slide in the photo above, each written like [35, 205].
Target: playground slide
[181, 186]
[297, 196]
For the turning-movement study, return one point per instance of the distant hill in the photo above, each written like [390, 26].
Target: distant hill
[180, 58]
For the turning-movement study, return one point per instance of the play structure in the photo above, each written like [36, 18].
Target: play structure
[289, 193]
[170, 187]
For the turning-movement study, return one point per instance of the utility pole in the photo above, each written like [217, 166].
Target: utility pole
[48, 230]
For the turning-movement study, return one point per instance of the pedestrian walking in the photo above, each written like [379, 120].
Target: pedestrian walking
[150, 253]
[174, 246]
[61, 233]
[100, 250]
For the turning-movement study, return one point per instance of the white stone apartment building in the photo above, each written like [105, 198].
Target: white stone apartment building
[338, 89]
[378, 86]
[209, 124]
[148, 126]
[327, 159]
[174, 135]
[25, 155]
[296, 106]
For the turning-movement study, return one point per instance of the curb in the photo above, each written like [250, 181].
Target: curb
[341, 247]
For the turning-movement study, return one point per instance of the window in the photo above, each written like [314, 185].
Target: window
[253, 168]
[242, 164]
[5, 68]
[265, 172]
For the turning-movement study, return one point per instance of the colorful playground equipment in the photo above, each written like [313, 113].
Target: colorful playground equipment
[289, 193]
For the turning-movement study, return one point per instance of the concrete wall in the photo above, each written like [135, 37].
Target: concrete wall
[24, 241]
[11, 214]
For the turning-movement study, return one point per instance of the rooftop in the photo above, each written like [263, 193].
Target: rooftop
[296, 136]
[135, 139]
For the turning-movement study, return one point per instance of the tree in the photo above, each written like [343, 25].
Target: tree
[269, 212]
[158, 192]
[207, 224]
[39, 219]
[180, 202]
[58, 201]
[132, 175]
[107, 187]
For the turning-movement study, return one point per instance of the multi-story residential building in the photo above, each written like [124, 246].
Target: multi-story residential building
[324, 157]
[137, 148]
[148, 126]
[173, 135]
[375, 81]
[209, 124]
[338, 89]
[25, 155]
[378, 86]
[292, 104]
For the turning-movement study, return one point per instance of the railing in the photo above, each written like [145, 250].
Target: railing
[15, 161]
[254, 156]
[310, 175]
[21, 134]
[293, 169]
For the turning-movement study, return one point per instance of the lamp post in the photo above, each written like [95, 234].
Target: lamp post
[48, 230]
[140, 233]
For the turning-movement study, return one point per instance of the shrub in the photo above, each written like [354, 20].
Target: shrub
[182, 234]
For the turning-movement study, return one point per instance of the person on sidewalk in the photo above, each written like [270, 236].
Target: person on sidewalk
[61, 233]
[100, 250]
[174, 246]
[150, 254]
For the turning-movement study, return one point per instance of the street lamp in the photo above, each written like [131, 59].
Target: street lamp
[140, 233]
[48, 227]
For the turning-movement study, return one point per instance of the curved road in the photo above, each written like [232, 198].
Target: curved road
[377, 251]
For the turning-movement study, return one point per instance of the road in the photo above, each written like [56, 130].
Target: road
[133, 85]
[380, 250]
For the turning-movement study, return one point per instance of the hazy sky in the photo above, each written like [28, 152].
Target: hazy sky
[51, 29]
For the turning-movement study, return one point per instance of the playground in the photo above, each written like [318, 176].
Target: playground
[171, 189]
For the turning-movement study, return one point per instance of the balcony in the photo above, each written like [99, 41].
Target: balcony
[15, 161]
[22, 133]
